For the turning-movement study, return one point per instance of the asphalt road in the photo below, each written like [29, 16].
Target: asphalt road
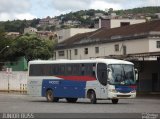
[15, 103]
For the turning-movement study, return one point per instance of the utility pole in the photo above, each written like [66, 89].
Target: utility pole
[4, 48]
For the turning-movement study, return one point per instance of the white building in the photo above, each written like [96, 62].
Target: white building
[66, 33]
[113, 23]
[30, 30]
[115, 41]
[139, 43]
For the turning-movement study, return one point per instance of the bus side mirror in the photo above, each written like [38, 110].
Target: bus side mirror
[136, 74]
[109, 72]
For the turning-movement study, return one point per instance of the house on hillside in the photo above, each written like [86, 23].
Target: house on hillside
[66, 33]
[113, 23]
[49, 21]
[139, 43]
[30, 30]
[47, 34]
[72, 23]
[12, 34]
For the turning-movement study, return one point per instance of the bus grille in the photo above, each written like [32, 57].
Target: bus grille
[125, 96]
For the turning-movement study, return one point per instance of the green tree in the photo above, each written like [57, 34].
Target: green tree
[5, 43]
[31, 47]
[34, 22]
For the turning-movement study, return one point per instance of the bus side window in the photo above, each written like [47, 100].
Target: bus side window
[93, 69]
[76, 69]
[46, 70]
[102, 73]
[62, 69]
[32, 70]
[55, 69]
[68, 69]
[82, 69]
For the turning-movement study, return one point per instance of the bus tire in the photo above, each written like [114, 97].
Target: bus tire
[114, 101]
[50, 96]
[71, 100]
[55, 99]
[93, 97]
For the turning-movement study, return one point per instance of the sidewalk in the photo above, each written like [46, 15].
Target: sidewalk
[13, 92]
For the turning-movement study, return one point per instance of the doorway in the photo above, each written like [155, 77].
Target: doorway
[155, 82]
[124, 50]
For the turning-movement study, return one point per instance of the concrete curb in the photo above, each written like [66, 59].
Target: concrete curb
[13, 92]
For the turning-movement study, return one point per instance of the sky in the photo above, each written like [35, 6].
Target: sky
[30, 9]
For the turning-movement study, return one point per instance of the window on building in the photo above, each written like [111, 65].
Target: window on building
[75, 52]
[61, 53]
[85, 50]
[125, 24]
[96, 49]
[158, 44]
[60, 37]
[116, 47]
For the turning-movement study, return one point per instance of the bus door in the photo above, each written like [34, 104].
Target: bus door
[102, 78]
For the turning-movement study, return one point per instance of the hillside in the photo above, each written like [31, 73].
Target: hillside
[143, 10]
[82, 18]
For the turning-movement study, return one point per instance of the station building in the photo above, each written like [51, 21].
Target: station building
[138, 43]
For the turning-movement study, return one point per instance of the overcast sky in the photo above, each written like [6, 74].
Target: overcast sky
[29, 9]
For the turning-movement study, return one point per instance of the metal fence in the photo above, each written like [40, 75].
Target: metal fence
[13, 81]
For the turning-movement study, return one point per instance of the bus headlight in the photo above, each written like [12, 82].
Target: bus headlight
[133, 91]
[113, 90]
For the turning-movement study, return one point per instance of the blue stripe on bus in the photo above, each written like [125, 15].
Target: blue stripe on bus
[124, 89]
[65, 88]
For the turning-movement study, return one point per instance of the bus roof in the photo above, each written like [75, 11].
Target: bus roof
[107, 61]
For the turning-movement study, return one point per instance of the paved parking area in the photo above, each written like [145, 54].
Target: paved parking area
[15, 103]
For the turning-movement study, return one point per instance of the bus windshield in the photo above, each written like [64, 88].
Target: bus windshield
[122, 74]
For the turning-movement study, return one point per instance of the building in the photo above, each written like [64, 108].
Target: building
[71, 23]
[139, 43]
[19, 65]
[12, 34]
[98, 15]
[30, 30]
[158, 15]
[49, 21]
[47, 34]
[113, 23]
[45, 21]
[66, 33]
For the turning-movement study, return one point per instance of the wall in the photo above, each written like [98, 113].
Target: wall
[30, 30]
[146, 81]
[117, 22]
[17, 80]
[133, 46]
[153, 44]
[66, 33]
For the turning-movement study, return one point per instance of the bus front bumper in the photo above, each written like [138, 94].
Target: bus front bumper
[112, 95]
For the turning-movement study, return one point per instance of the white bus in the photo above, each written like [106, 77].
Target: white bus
[96, 79]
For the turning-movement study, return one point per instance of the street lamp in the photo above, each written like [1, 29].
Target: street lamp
[4, 48]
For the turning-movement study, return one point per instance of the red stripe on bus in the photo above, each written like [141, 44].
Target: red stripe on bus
[133, 87]
[78, 78]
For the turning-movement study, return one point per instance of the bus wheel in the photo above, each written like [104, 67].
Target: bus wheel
[71, 100]
[93, 97]
[114, 101]
[55, 99]
[50, 97]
